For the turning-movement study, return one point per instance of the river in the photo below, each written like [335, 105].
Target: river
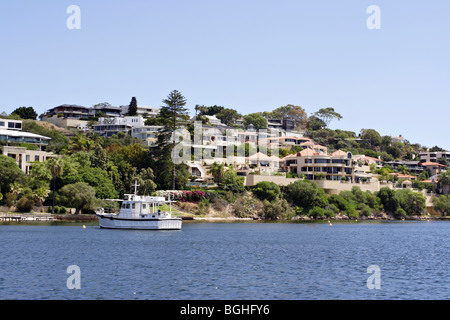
[209, 261]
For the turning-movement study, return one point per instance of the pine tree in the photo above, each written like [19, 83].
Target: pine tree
[174, 115]
[132, 109]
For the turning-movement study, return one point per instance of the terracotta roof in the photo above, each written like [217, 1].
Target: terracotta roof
[262, 156]
[290, 156]
[338, 153]
[426, 164]
[307, 153]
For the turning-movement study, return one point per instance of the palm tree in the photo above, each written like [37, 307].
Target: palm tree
[403, 169]
[56, 168]
[217, 170]
[444, 180]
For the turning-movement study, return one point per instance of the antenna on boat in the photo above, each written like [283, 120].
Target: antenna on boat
[135, 187]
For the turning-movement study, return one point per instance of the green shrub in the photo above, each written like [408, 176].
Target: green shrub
[400, 212]
[267, 190]
[278, 209]
[330, 213]
[25, 205]
[317, 212]
[366, 211]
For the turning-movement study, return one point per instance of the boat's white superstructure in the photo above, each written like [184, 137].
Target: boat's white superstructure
[140, 212]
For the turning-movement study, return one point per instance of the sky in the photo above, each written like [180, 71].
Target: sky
[247, 55]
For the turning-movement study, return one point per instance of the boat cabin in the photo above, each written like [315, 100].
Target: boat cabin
[135, 206]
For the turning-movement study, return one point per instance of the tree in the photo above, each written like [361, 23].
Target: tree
[79, 196]
[228, 116]
[132, 108]
[388, 199]
[412, 202]
[444, 180]
[305, 194]
[9, 173]
[442, 203]
[444, 161]
[147, 185]
[277, 209]
[174, 115]
[327, 115]
[26, 113]
[315, 123]
[232, 182]
[371, 137]
[267, 190]
[291, 112]
[255, 119]
[217, 170]
[55, 165]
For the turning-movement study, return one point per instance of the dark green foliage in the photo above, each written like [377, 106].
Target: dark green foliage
[265, 190]
[305, 194]
[25, 205]
[26, 113]
[132, 108]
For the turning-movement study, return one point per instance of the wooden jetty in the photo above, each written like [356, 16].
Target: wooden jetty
[25, 217]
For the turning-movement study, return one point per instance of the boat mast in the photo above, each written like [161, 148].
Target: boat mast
[135, 187]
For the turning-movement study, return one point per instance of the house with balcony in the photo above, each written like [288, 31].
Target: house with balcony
[412, 166]
[15, 138]
[434, 156]
[25, 157]
[315, 166]
[149, 134]
[108, 127]
[9, 124]
[67, 115]
[144, 111]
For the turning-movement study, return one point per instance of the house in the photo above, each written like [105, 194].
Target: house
[280, 124]
[108, 127]
[106, 110]
[25, 158]
[144, 111]
[397, 139]
[65, 111]
[14, 138]
[9, 124]
[434, 156]
[412, 166]
[433, 168]
[264, 163]
[67, 115]
[315, 165]
[147, 133]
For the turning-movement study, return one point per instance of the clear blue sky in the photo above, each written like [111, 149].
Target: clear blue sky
[247, 55]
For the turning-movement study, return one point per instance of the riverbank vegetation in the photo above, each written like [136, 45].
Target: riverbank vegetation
[91, 167]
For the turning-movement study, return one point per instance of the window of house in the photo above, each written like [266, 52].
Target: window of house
[36, 158]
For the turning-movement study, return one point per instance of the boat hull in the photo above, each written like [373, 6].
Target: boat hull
[109, 222]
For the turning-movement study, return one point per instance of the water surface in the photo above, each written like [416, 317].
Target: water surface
[212, 261]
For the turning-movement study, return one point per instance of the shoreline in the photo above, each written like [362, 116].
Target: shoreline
[39, 217]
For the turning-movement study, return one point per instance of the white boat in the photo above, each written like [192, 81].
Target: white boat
[140, 212]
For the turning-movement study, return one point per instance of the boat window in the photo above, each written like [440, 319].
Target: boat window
[128, 206]
[134, 205]
[144, 206]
